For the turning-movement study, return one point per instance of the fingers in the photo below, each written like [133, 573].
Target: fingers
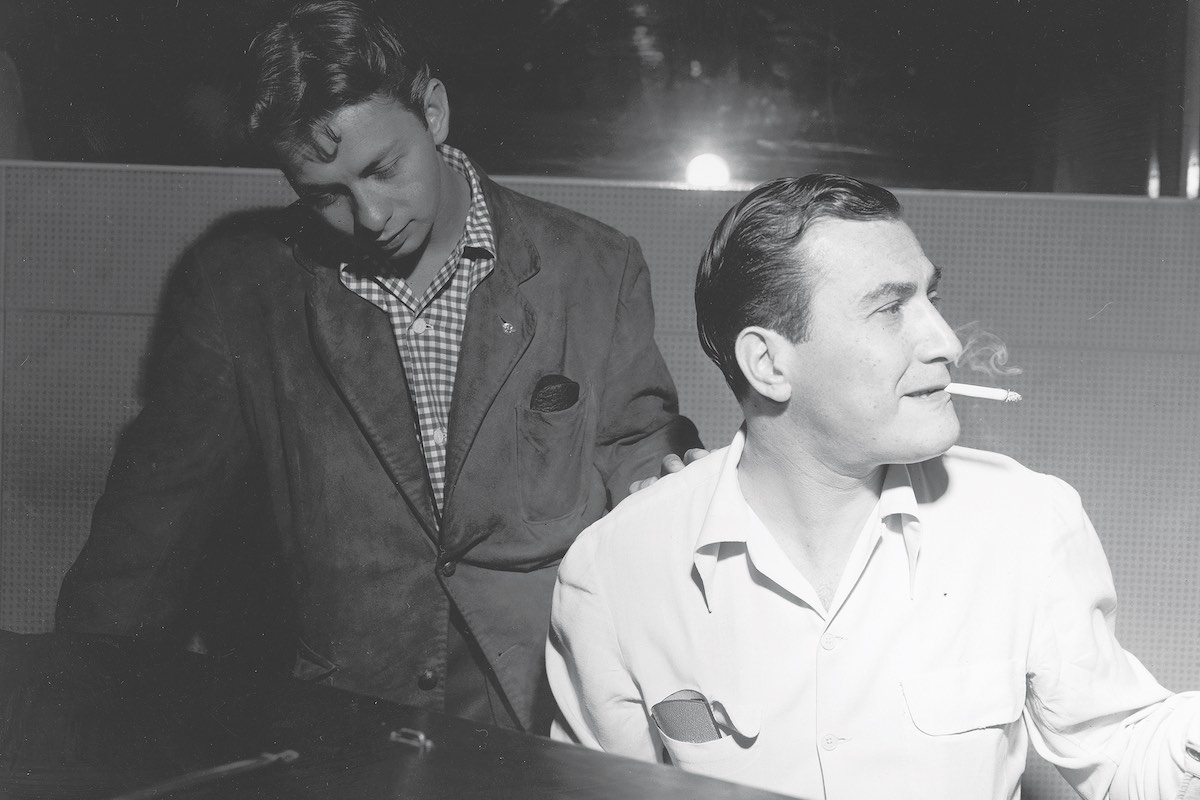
[670, 463]
[642, 484]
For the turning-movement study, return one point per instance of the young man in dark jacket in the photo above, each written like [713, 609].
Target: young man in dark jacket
[425, 389]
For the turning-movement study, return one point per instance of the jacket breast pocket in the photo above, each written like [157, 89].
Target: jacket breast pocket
[985, 694]
[554, 452]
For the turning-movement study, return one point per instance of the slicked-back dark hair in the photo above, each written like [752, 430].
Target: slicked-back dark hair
[753, 272]
[316, 57]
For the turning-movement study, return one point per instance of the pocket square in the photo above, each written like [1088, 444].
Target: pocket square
[686, 716]
[554, 393]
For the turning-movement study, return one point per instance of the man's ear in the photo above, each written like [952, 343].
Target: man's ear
[437, 110]
[759, 354]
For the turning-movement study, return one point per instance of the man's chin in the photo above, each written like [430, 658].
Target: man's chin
[407, 251]
[940, 447]
[399, 262]
[934, 445]
[390, 252]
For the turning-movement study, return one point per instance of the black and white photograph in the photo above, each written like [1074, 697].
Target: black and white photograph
[599, 399]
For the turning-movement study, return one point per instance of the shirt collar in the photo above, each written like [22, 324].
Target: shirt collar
[479, 239]
[898, 511]
[729, 516]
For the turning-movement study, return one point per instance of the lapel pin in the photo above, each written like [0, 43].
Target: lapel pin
[507, 327]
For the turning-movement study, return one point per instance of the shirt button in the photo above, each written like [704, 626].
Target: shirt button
[830, 742]
[428, 679]
[439, 435]
[829, 641]
[420, 326]
[447, 567]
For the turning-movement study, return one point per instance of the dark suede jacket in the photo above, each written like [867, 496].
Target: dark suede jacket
[278, 436]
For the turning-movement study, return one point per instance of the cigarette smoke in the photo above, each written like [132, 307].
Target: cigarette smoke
[983, 352]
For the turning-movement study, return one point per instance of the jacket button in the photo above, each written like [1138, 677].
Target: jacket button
[428, 679]
[447, 567]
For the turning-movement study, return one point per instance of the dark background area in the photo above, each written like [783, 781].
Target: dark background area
[1015, 95]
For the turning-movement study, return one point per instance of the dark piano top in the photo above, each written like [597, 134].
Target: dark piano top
[99, 717]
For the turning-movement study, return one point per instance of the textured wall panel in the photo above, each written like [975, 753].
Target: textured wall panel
[1090, 272]
[703, 395]
[1096, 298]
[71, 386]
[101, 238]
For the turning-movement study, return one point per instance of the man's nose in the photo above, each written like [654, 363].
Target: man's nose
[371, 211]
[940, 343]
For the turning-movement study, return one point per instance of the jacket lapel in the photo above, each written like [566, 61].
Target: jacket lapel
[354, 340]
[500, 325]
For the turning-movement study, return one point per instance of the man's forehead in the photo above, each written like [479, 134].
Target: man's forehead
[355, 137]
[857, 234]
[862, 245]
[326, 139]
[328, 156]
[859, 257]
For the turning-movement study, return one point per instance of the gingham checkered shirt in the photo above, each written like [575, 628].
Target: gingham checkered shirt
[429, 330]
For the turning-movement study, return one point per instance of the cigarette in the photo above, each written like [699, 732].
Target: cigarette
[984, 392]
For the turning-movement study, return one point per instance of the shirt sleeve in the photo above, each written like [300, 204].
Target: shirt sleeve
[639, 421]
[599, 705]
[1093, 710]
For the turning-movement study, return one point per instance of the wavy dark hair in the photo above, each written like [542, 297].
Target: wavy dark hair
[753, 273]
[316, 57]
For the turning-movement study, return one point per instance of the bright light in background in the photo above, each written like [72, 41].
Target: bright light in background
[707, 169]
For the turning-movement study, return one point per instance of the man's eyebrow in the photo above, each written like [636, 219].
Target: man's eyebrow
[896, 289]
[899, 289]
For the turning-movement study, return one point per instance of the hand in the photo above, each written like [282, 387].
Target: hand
[670, 463]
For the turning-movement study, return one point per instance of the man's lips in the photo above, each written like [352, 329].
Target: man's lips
[393, 242]
[927, 391]
[389, 243]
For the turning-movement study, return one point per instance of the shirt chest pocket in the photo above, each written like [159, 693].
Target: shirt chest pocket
[728, 757]
[983, 694]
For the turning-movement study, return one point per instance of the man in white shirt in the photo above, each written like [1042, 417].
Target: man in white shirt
[842, 603]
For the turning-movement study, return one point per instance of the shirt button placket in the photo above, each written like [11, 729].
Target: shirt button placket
[827, 709]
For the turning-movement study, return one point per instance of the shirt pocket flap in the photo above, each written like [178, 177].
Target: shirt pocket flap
[983, 694]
